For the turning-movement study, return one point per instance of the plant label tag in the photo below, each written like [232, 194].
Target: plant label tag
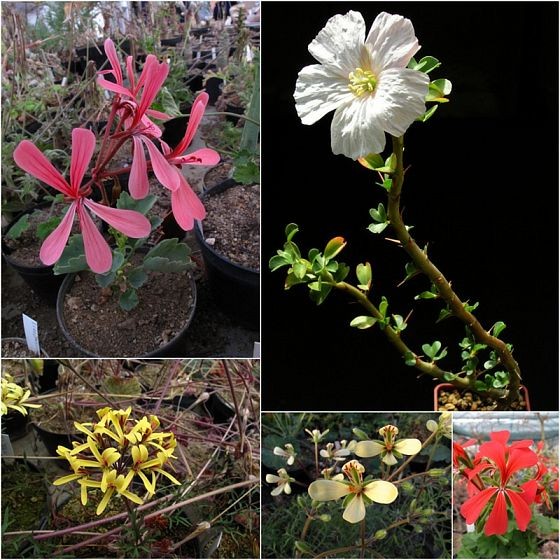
[248, 53]
[31, 334]
[213, 53]
[257, 350]
[197, 55]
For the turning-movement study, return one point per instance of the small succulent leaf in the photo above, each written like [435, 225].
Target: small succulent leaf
[410, 359]
[363, 322]
[371, 161]
[19, 227]
[426, 295]
[126, 202]
[379, 215]
[278, 261]
[444, 314]
[429, 113]
[129, 300]
[498, 328]
[46, 228]
[426, 64]
[383, 306]
[299, 269]
[137, 277]
[377, 228]
[334, 246]
[448, 376]
[363, 273]
[342, 272]
[291, 230]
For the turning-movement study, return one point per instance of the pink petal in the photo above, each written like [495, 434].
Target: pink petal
[497, 520]
[521, 511]
[98, 253]
[129, 222]
[151, 129]
[83, 146]
[204, 156]
[197, 112]
[472, 508]
[31, 159]
[154, 75]
[111, 86]
[111, 53]
[166, 174]
[130, 72]
[138, 183]
[186, 206]
[151, 60]
[54, 244]
[157, 114]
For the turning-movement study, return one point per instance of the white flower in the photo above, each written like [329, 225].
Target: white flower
[364, 80]
[390, 449]
[335, 451]
[361, 493]
[316, 435]
[288, 453]
[443, 425]
[282, 482]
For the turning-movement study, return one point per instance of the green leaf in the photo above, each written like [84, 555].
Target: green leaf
[427, 64]
[363, 272]
[400, 324]
[19, 227]
[431, 350]
[498, 328]
[426, 295]
[363, 322]
[470, 308]
[342, 272]
[334, 246]
[319, 295]
[449, 376]
[73, 258]
[379, 215]
[46, 228]
[137, 277]
[429, 113]
[442, 85]
[168, 256]
[278, 261]
[372, 161]
[387, 183]
[377, 228]
[126, 202]
[383, 306]
[300, 269]
[168, 103]
[129, 300]
[444, 314]
[410, 359]
[108, 278]
[304, 548]
[291, 230]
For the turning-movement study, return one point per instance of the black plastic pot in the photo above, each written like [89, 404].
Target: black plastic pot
[172, 349]
[41, 278]
[195, 82]
[172, 41]
[47, 381]
[236, 288]
[234, 109]
[52, 440]
[15, 425]
[213, 87]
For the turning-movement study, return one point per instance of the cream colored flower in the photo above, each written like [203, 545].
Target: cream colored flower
[364, 80]
[287, 453]
[316, 435]
[282, 482]
[390, 448]
[357, 493]
[335, 452]
[442, 426]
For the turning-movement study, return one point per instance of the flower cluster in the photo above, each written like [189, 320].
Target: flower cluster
[118, 449]
[130, 115]
[494, 482]
[14, 397]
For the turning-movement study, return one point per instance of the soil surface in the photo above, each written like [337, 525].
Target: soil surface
[454, 400]
[232, 224]
[16, 348]
[219, 173]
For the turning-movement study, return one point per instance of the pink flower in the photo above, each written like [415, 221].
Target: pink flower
[496, 456]
[97, 251]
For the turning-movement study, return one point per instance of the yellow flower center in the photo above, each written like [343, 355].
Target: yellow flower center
[361, 82]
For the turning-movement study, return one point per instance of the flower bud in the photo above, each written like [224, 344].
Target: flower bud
[325, 518]
[380, 535]
[436, 472]
[360, 434]
[407, 487]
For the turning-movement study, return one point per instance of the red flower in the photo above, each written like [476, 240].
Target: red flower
[500, 461]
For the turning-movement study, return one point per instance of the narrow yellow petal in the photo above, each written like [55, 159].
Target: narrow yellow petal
[408, 446]
[169, 476]
[103, 503]
[67, 478]
[324, 490]
[381, 491]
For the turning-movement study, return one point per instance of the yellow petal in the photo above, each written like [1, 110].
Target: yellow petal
[324, 490]
[355, 511]
[84, 494]
[368, 448]
[408, 446]
[169, 476]
[381, 491]
[103, 503]
[67, 478]
[389, 459]
[272, 478]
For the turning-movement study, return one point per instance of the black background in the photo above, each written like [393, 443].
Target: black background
[482, 190]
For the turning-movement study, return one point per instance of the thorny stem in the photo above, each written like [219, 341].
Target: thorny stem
[405, 463]
[429, 368]
[423, 263]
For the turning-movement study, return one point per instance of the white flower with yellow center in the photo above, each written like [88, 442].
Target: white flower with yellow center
[335, 452]
[390, 449]
[364, 80]
[282, 482]
[288, 453]
[356, 492]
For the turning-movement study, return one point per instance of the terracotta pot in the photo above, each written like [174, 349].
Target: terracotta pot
[444, 386]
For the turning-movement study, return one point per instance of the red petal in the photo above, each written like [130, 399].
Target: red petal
[529, 491]
[165, 172]
[31, 159]
[496, 451]
[520, 458]
[111, 53]
[471, 509]
[98, 254]
[197, 112]
[521, 510]
[54, 244]
[138, 184]
[83, 146]
[129, 222]
[498, 519]
[500, 437]
[186, 206]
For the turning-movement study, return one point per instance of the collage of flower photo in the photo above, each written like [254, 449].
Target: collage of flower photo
[360, 361]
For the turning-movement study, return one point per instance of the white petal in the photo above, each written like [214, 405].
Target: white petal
[408, 446]
[381, 491]
[278, 490]
[391, 42]
[355, 511]
[287, 488]
[339, 44]
[368, 448]
[399, 98]
[389, 459]
[355, 129]
[325, 490]
[319, 91]
[272, 478]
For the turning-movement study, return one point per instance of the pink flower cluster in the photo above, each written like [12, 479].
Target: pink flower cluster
[131, 105]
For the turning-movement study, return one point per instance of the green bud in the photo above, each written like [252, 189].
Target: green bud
[360, 434]
[427, 511]
[436, 472]
[418, 529]
[36, 365]
[325, 518]
[424, 520]
[443, 481]
[407, 487]
[301, 501]
[380, 535]
[412, 506]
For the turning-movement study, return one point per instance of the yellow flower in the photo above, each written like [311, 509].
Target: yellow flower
[390, 448]
[14, 397]
[357, 493]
